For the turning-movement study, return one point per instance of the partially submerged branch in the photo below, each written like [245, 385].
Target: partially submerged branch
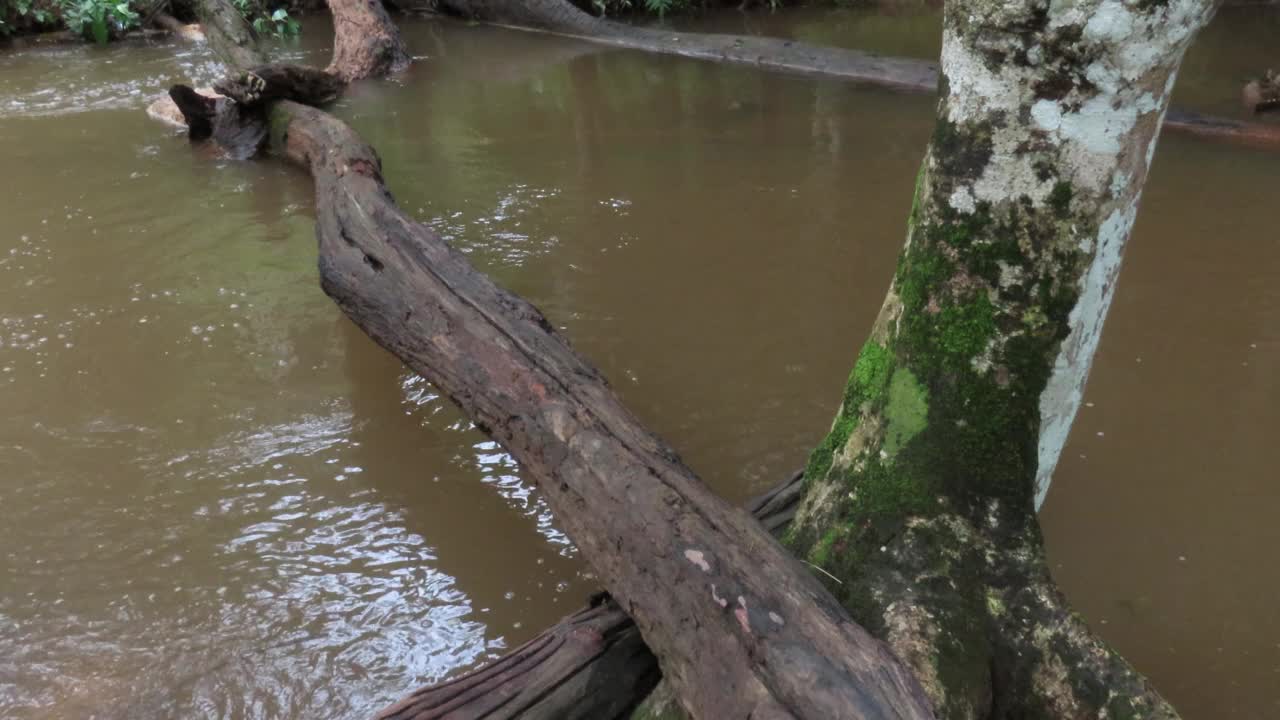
[590, 665]
[909, 74]
[235, 115]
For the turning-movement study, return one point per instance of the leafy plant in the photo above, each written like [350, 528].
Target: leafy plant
[98, 20]
[23, 10]
[277, 24]
[659, 7]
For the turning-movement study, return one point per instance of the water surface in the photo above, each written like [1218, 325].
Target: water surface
[220, 500]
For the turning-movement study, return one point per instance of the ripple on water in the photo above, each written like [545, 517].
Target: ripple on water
[497, 468]
[313, 588]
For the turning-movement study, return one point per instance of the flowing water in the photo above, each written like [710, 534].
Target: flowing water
[219, 500]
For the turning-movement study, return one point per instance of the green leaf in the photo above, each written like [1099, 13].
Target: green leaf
[280, 15]
[99, 29]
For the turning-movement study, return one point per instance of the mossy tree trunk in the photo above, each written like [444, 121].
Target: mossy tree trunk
[922, 498]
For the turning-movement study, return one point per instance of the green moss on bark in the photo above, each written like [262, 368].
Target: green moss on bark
[906, 412]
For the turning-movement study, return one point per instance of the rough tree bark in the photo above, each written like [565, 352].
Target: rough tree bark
[365, 42]
[922, 497]
[591, 665]
[740, 627]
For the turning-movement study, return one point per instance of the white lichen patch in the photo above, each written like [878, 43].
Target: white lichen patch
[697, 557]
[1061, 398]
[1100, 137]
[962, 200]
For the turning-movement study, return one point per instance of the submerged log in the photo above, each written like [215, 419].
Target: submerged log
[562, 18]
[592, 664]
[910, 74]
[235, 117]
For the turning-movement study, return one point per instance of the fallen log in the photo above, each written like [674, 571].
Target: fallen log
[235, 115]
[592, 664]
[740, 627]
[559, 17]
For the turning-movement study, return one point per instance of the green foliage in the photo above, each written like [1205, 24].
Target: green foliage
[662, 7]
[98, 20]
[276, 23]
[907, 410]
[24, 12]
[654, 7]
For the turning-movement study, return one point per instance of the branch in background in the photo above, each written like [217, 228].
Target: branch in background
[366, 42]
[560, 17]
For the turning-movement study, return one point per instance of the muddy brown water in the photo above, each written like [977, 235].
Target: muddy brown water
[219, 500]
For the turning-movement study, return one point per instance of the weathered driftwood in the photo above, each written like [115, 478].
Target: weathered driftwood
[592, 664]
[236, 118]
[740, 626]
[562, 18]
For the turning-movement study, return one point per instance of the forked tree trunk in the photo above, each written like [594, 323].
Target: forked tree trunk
[922, 498]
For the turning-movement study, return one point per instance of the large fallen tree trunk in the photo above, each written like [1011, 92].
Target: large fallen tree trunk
[560, 17]
[591, 665]
[739, 625]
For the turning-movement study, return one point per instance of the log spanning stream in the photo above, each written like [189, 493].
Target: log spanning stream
[221, 500]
